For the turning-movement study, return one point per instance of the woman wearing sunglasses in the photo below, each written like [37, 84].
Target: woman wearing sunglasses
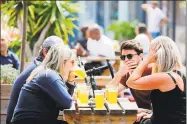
[131, 56]
[48, 89]
[168, 84]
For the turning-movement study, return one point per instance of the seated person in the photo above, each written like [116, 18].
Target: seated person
[21, 79]
[81, 43]
[6, 56]
[168, 84]
[131, 57]
[48, 89]
[98, 45]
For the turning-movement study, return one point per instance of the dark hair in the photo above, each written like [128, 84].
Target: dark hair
[142, 28]
[83, 30]
[131, 45]
[41, 51]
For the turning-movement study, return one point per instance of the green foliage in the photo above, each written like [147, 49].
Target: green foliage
[8, 74]
[59, 14]
[15, 46]
[122, 30]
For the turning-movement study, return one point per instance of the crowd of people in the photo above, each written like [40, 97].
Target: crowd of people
[151, 67]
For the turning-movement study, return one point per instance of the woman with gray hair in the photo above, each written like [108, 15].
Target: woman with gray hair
[168, 83]
[48, 89]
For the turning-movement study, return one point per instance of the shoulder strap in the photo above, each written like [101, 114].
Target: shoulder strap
[183, 78]
[172, 78]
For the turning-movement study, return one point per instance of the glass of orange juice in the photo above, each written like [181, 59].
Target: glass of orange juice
[112, 94]
[99, 98]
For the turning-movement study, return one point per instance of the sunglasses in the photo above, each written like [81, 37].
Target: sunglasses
[129, 56]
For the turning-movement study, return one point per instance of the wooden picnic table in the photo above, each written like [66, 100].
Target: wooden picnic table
[124, 112]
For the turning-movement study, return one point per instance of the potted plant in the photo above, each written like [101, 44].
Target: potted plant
[8, 75]
[123, 30]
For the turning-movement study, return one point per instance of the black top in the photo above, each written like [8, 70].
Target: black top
[43, 97]
[169, 107]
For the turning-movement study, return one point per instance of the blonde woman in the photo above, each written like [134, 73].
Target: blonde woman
[48, 89]
[168, 94]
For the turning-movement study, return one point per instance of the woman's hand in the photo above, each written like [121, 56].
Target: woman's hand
[142, 115]
[71, 77]
[68, 68]
[152, 56]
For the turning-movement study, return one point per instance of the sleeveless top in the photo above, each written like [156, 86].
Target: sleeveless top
[169, 107]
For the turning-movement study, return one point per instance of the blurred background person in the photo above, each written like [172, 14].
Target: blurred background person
[6, 56]
[81, 43]
[98, 45]
[155, 18]
[143, 37]
[48, 89]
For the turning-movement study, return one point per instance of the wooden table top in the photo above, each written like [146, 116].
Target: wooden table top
[123, 106]
[124, 112]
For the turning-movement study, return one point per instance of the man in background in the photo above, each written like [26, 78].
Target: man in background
[6, 56]
[98, 45]
[155, 17]
[143, 37]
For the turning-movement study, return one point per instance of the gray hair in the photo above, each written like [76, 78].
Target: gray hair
[168, 55]
[54, 59]
[94, 27]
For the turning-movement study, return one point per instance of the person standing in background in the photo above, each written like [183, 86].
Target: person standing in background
[155, 17]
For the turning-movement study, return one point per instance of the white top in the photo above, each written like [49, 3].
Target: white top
[101, 47]
[144, 42]
[154, 17]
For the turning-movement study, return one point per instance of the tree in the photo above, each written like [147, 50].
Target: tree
[45, 18]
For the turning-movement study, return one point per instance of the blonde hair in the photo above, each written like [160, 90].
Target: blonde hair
[168, 55]
[54, 60]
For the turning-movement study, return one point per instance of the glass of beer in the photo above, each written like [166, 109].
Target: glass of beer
[113, 94]
[79, 88]
[80, 72]
[84, 94]
[99, 98]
